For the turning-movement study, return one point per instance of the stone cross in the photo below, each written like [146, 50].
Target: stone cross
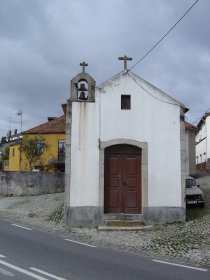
[125, 58]
[83, 64]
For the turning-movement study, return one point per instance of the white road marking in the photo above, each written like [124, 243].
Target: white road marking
[6, 272]
[185, 266]
[14, 267]
[47, 274]
[21, 227]
[85, 244]
[2, 256]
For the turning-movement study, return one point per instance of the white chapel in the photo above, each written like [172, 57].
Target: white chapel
[125, 152]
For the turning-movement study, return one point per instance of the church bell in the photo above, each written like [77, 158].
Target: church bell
[82, 90]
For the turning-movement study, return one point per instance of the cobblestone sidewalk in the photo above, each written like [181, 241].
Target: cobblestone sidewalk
[187, 242]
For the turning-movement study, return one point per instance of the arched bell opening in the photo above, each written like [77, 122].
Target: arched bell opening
[82, 90]
[82, 87]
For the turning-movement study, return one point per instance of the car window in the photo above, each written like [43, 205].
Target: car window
[190, 183]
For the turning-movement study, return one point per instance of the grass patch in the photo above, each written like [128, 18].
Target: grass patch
[57, 214]
[33, 215]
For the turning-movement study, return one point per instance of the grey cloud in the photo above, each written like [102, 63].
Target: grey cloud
[43, 42]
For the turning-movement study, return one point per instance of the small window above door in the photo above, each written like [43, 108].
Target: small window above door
[125, 102]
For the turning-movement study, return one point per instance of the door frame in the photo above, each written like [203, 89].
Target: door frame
[144, 168]
[123, 153]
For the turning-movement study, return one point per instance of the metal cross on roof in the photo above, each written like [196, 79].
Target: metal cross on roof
[83, 64]
[125, 58]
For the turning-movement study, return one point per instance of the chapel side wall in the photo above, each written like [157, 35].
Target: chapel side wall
[84, 155]
[147, 117]
[190, 152]
[83, 208]
[183, 150]
[192, 156]
[187, 156]
[68, 155]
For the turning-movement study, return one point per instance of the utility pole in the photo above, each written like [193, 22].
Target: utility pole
[20, 113]
[9, 122]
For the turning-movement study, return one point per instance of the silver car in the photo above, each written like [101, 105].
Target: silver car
[193, 194]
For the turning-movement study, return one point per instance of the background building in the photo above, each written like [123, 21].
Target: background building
[203, 144]
[52, 133]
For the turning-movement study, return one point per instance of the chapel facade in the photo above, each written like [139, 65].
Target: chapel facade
[125, 152]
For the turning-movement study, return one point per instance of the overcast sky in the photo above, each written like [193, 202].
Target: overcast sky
[42, 43]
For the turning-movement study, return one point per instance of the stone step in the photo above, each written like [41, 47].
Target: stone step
[123, 223]
[111, 225]
[122, 217]
[105, 228]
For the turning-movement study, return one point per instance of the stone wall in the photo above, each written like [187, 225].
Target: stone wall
[30, 183]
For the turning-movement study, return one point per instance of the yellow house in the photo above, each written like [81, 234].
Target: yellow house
[52, 158]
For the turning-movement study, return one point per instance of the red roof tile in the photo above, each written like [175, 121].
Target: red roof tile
[54, 126]
[190, 126]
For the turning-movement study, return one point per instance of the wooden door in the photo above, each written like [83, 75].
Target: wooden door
[122, 184]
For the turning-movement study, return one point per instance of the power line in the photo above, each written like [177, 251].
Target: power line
[164, 101]
[164, 35]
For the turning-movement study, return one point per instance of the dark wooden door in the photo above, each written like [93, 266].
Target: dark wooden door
[122, 184]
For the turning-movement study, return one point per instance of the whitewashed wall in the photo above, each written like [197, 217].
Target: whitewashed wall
[85, 154]
[149, 120]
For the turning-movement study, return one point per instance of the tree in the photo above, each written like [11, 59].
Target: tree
[3, 140]
[3, 157]
[33, 148]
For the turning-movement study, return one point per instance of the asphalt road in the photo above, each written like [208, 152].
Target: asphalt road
[27, 253]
